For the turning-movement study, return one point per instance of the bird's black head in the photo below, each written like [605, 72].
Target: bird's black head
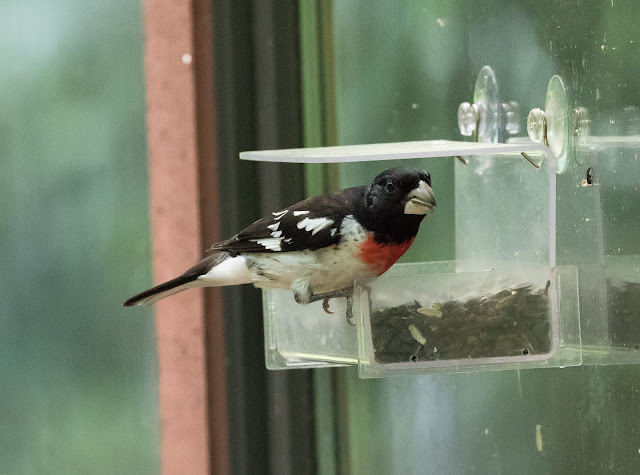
[400, 191]
[397, 201]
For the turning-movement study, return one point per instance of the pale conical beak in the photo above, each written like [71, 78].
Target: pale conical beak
[420, 200]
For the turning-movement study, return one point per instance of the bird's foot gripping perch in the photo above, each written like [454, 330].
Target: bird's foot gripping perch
[347, 293]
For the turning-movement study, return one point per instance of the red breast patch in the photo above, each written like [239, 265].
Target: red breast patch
[382, 256]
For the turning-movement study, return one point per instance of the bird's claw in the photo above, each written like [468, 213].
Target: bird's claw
[325, 306]
[347, 293]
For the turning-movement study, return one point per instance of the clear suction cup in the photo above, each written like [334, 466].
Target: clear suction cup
[557, 120]
[488, 120]
[487, 100]
[551, 126]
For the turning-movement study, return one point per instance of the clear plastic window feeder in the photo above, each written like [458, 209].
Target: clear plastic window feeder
[501, 304]
[547, 272]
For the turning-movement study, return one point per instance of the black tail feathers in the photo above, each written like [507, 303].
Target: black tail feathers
[185, 281]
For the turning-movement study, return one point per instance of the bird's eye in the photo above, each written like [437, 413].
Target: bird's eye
[428, 178]
[389, 187]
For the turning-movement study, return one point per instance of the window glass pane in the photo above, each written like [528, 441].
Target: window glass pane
[401, 70]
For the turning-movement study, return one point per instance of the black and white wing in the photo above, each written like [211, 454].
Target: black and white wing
[310, 224]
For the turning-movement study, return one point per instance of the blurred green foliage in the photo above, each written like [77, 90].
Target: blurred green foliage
[78, 373]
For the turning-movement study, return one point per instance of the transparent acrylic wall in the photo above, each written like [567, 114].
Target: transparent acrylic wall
[595, 222]
[505, 212]
[305, 335]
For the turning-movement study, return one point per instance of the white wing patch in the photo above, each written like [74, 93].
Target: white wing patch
[274, 234]
[314, 225]
[279, 214]
[272, 244]
[299, 213]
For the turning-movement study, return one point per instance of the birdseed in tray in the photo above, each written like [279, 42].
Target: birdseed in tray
[512, 322]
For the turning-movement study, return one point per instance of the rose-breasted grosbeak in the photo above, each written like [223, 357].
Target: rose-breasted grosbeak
[320, 246]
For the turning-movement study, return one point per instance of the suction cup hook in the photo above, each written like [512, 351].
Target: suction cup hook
[487, 119]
